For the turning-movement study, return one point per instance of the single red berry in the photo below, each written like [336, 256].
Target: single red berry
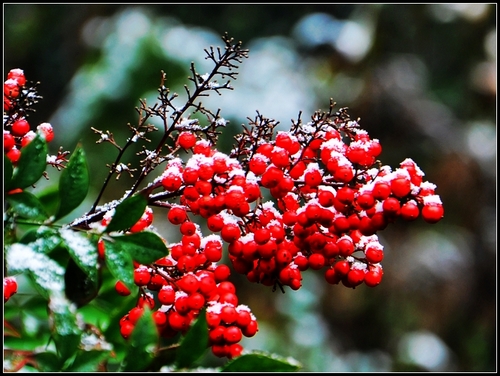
[166, 295]
[316, 261]
[186, 140]
[160, 318]
[8, 141]
[400, 187]
[18, 75]
[126, 329]
[142, 276]
[410, 211]
[177, 215]
[230, 232]
[374, 254]
[11, 88]
[232, 334]
[121, 288]
[14, 154]
[355, 277]
[47, 131]
[20, 127]
[432, 213]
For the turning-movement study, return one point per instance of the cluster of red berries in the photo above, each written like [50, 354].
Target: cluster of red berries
[17, 131]
[9, 288]
[332, 197]
[178, 286]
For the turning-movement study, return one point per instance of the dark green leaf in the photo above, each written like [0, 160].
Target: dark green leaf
[63, 325]
[31, 164]
[26, 205]
[7, 174]
[43, 239]
[260, 362]
[80, 288]
[88, 361]
[144, 247]
[127, 213]
[143, 344]
[49, 198]
[48, 362]
[119, 263]
[194, 344]
[74, 183]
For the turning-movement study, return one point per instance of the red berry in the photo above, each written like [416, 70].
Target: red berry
[400, 187]
[160, 318]
[20, 127]
[410, 211]
[126, 329]
[230, 232]
[142, 276]
[232, 334]
[121, 288]
[18, 75]
[13, 154]
[432, 213]
[316, 261]
[177, 215]
[8, 141]
[355, 277]
[11, 88]
[9, 288]
[166, 295]
[186, 140]
[47, 131]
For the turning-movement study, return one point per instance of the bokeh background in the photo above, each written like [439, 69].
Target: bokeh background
[421, 78]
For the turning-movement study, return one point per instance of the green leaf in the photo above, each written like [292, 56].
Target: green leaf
[43, 239]
[7, 174]
[144, 247]
[194, 344]
[119, 263]
[46, 274]
[31, 164]
[63, 325]
[261, 362]
[74, 183]
[48, 362]
[143, 344]
[88, 361]
[26, 205]
[127, 213]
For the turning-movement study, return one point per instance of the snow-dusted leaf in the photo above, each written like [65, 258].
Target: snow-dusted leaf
[82, 250]
[47, 274]
[42, 239]
[26, 205]
[64, 325]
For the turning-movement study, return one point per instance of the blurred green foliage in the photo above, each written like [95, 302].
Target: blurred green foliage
[424, 85]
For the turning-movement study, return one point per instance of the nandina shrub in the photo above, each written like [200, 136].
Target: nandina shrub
[311, 199]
